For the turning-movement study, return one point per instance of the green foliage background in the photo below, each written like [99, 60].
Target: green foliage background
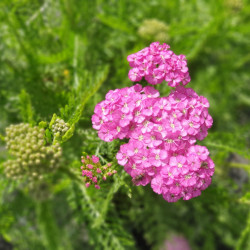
[61, 57]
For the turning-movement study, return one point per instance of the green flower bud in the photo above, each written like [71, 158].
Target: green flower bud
[37, 161]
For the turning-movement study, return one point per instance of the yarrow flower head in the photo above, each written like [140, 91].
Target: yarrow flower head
[93, 172]
[162, 131]
[157, 63]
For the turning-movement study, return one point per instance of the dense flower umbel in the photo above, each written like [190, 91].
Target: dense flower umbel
[94, 172]
[157, 63]
[60, 127]
[140, 113]
[32, 158]
[175, 174]
[162, 131]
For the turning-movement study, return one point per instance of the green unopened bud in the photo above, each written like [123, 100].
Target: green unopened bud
[37, 161]
[32, 156]
[35, 147]
[28, 151]
[58, 154]
[24, 164]
[42, 156]
[41, 135]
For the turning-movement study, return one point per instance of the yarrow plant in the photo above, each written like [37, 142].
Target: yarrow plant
[94, 172]
[162, 131]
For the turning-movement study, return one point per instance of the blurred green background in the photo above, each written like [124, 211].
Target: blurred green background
[61, 57]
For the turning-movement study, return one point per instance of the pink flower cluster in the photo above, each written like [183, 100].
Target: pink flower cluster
[157, 63]
[118, 114]
[94, 172]
[162, 132]
[173, 174]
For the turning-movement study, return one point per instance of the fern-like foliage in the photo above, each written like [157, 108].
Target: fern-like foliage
[26, 109]
[89, 85]
[106, 231]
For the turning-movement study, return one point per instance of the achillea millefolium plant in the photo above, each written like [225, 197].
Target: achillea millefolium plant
[162, 131]
[100, 152]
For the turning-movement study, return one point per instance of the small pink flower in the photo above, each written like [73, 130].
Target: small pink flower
[89, 166]
[171, 197]
[95, 159]
[135, 75]
[94, 179]
[156, 184]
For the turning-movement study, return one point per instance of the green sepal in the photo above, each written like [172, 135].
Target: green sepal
[43, 124]
[48, 136]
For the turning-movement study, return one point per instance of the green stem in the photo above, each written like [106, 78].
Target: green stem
[239, 165]
[224, 147]
[2, 138]
[76, 80]
[114, 188]
[35, 15]
[47, 225]
[95, 214]
[244, 240]
[97, 153]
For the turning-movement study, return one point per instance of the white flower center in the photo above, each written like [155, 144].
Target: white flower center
[179, 165]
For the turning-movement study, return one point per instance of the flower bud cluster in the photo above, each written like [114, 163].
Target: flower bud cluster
[60, 127]
[157, 63]
[162, 132]
[94, 172]
[153, 29]
[32, 158]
